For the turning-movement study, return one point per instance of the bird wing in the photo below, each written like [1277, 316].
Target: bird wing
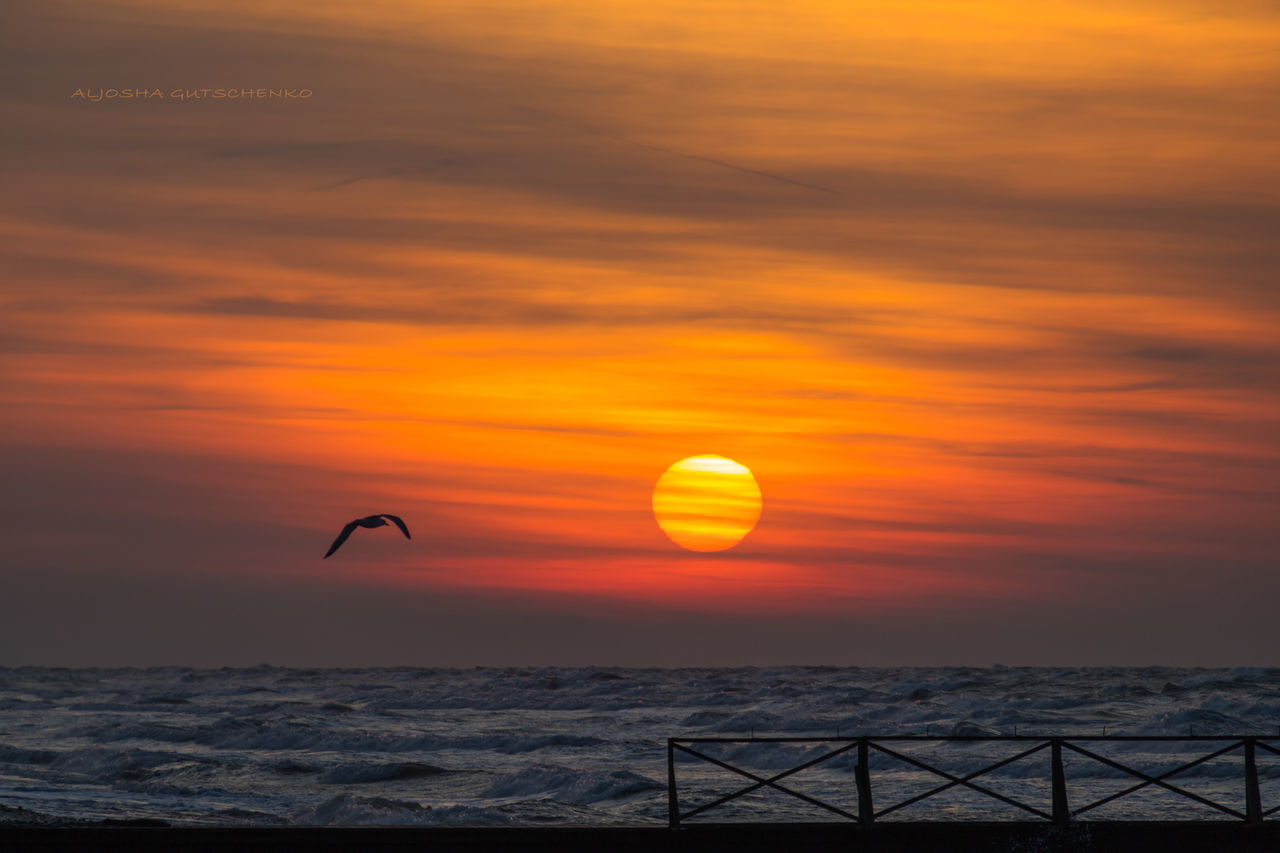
[399, 524]
[342, 537]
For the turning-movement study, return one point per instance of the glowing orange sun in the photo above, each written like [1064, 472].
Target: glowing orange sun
[706, 503]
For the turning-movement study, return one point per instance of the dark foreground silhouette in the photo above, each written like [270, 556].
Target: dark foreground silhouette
[379, 520]
[904, 837]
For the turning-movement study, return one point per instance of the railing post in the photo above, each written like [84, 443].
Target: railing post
[1061, 811]
[673, 799]
[1252, 796]
[866, 812]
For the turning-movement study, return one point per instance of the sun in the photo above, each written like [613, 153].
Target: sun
[706, 503]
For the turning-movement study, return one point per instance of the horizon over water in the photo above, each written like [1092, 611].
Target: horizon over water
[587, 745]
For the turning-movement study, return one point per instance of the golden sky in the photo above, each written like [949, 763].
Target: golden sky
[984, 295]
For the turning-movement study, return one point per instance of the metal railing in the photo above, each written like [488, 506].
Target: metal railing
[1060, 810]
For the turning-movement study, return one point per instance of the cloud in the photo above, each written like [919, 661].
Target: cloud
[490, 122]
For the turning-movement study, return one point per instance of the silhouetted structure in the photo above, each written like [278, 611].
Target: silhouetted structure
[1060, 812]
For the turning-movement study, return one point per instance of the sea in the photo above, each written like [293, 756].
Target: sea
[589, 746]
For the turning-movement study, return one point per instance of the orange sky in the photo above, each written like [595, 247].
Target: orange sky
[984, 294]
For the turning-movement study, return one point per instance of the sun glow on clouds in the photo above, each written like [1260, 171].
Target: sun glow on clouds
[1029, 326]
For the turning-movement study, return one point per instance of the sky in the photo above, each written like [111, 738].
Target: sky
[983, 294]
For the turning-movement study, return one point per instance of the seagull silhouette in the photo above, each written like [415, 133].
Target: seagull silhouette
[379, 520]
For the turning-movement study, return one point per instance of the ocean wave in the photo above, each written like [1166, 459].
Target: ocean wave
[357, 774]
[352, 810]
[236, 815]
[23, 755]
[252, 733]
[289, 767]
[579, 787]
[1194, 721]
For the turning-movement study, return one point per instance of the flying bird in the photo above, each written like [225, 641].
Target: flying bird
[379, 520]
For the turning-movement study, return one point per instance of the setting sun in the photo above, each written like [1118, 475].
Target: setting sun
[706, 503]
